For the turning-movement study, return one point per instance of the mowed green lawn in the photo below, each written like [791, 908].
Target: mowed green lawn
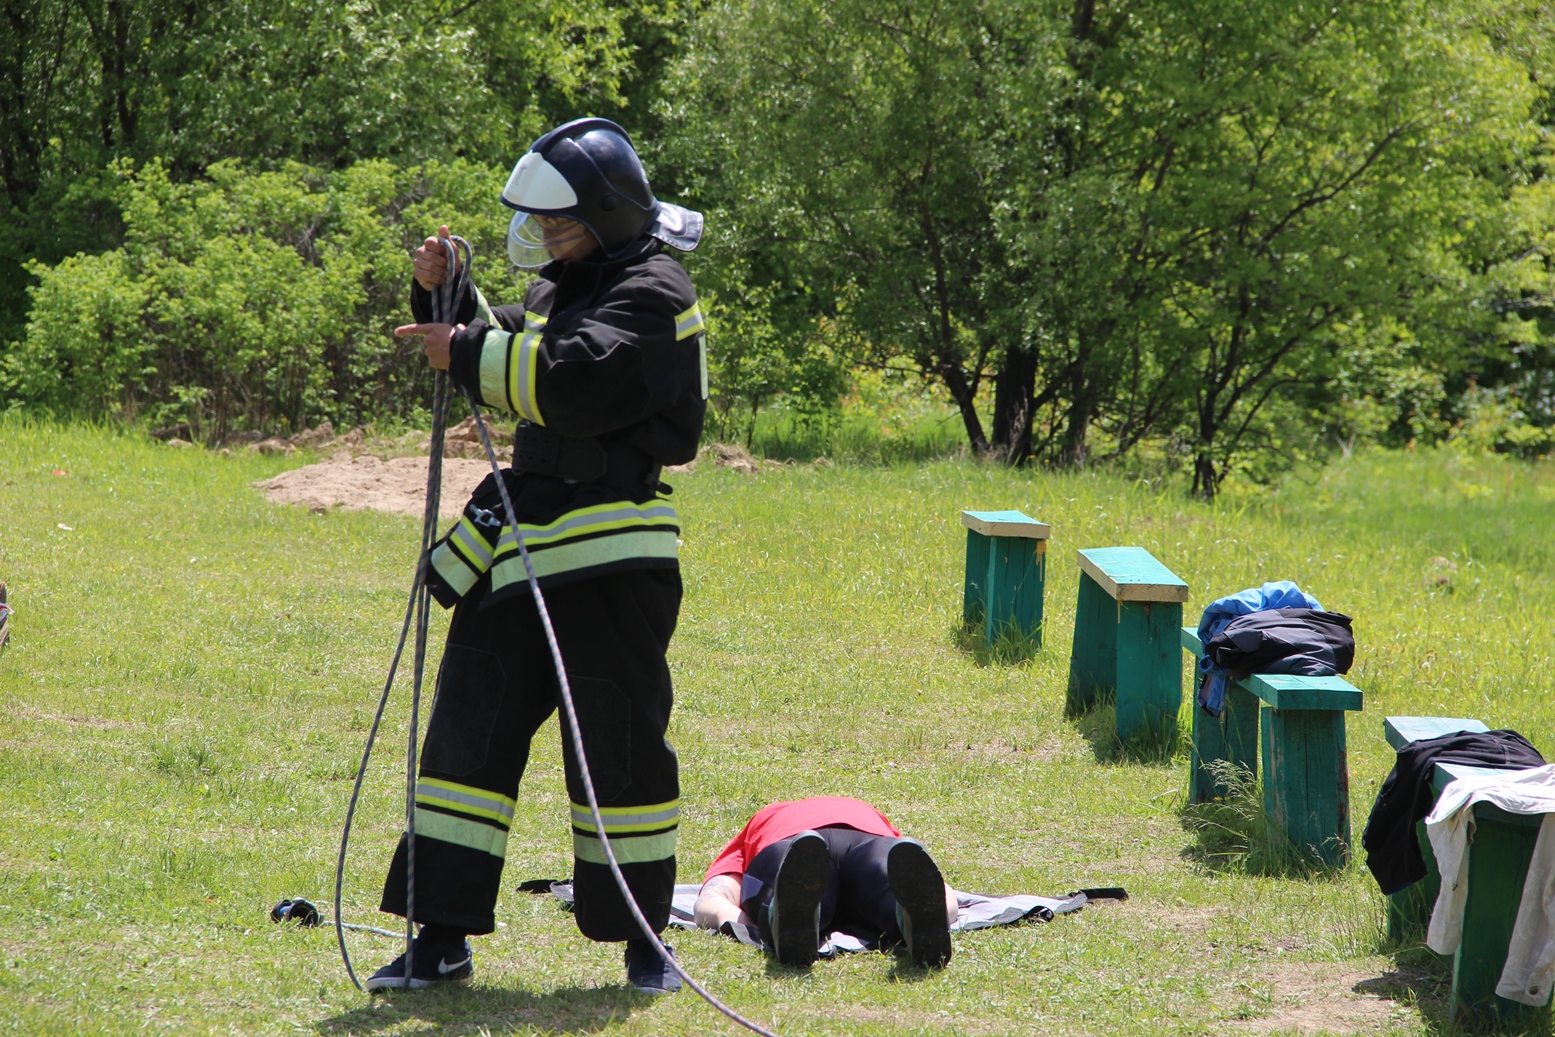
[192, 672]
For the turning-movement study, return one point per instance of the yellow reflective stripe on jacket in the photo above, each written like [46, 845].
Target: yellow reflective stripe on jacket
[702, 360]
[522, 365]
[471, 544]
[649, 818]
[688, 323]
[494, 365]
[454, 569]
[483, 308]
[466, 799]
[596, 518]
[476, 835]
[614, 531]
[586, 554]
[635, 849]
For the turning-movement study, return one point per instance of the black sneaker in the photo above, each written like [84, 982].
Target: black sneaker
[435, 963]
[795, 910]
[646, 971]
[920, 903]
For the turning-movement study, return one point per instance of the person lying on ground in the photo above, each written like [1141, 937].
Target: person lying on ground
[801, 868]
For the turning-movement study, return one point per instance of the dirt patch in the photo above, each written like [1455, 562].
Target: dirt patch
[1305, 997]
[732, 455]
[356, 480]
[398, 484]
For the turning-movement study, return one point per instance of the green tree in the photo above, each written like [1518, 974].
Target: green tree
[1144, 219]
[853, 154]
[1255, 184]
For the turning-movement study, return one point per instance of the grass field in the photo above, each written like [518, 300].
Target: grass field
[192, 670]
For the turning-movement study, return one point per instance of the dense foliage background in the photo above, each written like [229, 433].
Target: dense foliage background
[1223, 238]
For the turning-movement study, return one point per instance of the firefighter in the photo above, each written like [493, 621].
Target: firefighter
[605, 366]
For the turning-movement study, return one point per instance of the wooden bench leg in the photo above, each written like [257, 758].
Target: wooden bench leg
[974, 602]
[1093, 661]
[1017, 575]
[1149, 674]
[1306, 783]
[1409, 909]
[1498, 865]
[1233, 737]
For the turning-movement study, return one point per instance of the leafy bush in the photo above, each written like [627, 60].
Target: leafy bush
[248, 299]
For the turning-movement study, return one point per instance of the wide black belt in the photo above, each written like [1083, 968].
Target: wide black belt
[581, 459]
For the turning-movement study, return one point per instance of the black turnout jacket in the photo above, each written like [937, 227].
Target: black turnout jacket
[606, 352]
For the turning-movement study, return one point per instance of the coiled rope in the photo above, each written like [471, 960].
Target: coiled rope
[444, 301]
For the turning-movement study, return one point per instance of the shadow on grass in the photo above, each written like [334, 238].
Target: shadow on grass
[483, 1010]
[1423, 978]
[1232, 833]
[1161, 745]
[904, 971]
[1011, 647]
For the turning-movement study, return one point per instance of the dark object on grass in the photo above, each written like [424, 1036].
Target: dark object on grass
[1305, 642]
[182, 430]
[300, 911]
[1392, 849]
[1102, 893]
[538, 886]
[5, 617]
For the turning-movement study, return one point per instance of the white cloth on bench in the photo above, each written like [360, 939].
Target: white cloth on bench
[1530, 959]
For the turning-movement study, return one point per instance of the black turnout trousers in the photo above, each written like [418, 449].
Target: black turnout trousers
[496, 686]
[858, 898]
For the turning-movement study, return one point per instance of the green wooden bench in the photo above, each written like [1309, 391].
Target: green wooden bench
[1128, 609]
[1300, 729]
[1498, 854]
[1006, 572]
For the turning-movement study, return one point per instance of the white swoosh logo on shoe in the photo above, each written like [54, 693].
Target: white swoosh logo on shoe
[443, 968]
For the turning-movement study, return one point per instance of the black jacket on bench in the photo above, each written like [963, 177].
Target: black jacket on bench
[1308, 642]
[1392, 851]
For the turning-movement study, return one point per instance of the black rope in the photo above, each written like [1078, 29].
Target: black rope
[417, 609]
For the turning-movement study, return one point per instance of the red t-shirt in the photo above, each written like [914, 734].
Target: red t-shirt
[780, 820]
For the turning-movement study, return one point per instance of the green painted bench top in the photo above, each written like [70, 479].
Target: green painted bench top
[1294, 691]
[1287, 690]
[1132, 574]
[1005, 524]
[1400, 731]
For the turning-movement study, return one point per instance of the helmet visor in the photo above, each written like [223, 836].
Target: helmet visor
[533, 240]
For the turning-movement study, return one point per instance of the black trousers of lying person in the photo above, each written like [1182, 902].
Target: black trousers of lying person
[496, 686]
[858, 898]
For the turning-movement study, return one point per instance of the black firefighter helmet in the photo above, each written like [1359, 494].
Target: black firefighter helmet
[587, 171]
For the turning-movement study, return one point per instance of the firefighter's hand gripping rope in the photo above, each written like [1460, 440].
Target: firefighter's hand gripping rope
[445, 301]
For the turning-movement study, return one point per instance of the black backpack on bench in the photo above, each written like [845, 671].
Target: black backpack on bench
[1306, 642]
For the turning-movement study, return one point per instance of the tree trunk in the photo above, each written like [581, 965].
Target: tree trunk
[965, 396]
[1013, 406]
[1077, 423]
[1205, 478]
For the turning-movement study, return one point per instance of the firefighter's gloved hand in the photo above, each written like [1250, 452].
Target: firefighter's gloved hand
[431, 261]
[437, 338]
